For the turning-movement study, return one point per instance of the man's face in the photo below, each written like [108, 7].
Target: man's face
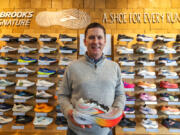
[95, 42]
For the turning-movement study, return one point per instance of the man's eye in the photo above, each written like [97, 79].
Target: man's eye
[99, 37]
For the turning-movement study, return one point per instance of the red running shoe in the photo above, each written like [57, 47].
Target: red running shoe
[166, 85]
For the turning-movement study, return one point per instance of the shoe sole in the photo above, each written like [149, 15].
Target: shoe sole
[70, 18]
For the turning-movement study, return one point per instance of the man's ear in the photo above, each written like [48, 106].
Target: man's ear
[85, 41]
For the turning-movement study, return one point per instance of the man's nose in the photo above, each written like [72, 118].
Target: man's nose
[95, 40]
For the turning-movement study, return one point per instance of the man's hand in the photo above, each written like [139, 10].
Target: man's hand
[70, 115]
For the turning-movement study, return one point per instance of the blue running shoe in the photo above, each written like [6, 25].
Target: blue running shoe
[45, 71]
[26, 60]
[47, 60]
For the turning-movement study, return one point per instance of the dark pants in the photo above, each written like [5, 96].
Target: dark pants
[70, 132]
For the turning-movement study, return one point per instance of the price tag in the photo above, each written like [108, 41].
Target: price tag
[20, 88]
[17, 127]
[3, 75]
[19, 63]
[41, 100]
[148, 89]
[65, 39]
[174, 130]
[2, 88]
[1, 100]
[3, 63]
[174, 116]
[172, 77]
[128, 76]
[172, 51]
[24, 39]
[151, 116]
[43, 63]
[173, 103]
[60, 114]
[128, 64]
[173, 90]
[23, 51]
[130, 116]
[21, 75]
[45, 39]
[18, 113]
[66, 51]
[41, 114]
[149, 64]
[1, 113]
[171, 64]
[45, 76]
[152, 130]
[20, 100]
[4, 39]
[130, 102]
[42, 88]
[129, 89]
[153, 76]
[129, 129]
[127, 52]
[61, 128]
[126, 40]
[150, 102]
[60, 76]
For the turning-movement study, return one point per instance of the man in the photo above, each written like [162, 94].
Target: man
[91, 77]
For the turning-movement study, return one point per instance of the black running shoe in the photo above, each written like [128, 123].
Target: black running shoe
[61, 36]
[125, 122]
[47, 38]
[9, 38]
[5, 107]
[23, 119]
[27, 38]
[170, 123]
[61, 120]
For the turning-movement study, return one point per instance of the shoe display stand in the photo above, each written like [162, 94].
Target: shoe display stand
[138, 116]
[29, 127]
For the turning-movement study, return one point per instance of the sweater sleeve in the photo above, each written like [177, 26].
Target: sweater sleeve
[120, 97]
[64, 94]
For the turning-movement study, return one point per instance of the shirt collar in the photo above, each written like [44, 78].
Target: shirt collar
[93, 60]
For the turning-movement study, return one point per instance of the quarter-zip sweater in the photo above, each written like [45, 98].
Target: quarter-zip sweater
[101, 82]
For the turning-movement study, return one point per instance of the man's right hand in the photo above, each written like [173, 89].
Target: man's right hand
[70, 115]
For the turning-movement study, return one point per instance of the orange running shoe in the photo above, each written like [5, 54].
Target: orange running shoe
[170, 110]
[43, 108]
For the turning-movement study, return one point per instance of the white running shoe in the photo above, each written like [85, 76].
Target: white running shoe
[5, 119]
[26, 49]
[42, 121]
[8, 49]
[21, 108]
[147, 123]
[24, 83]
[47, 49]
[24, 70]
[7, 71]
[43, 94]
[44, 83]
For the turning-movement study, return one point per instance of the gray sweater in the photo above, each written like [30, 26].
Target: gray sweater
[85, 79]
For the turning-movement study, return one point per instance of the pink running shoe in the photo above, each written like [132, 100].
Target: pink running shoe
[91, 112]
[147, 97]
[128, 85]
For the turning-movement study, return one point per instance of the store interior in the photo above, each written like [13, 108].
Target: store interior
[39, 38]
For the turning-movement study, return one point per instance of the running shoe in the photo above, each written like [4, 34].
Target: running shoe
[5, 83]
[147, 110]
[128, 109]
[46, 60]
[145, 61]
[65, 61]
[166, 61]
[128, 85]
[21, 108]
[44, 83]
[144, 50]
[170, 123]
[24, 83]
[42, 121]
[141, 37]
[43, 94]
[125, 61]
[25, 70]
[66, 49]
[23, 119]
[125, 122]
[127, 73]
[164, 72]
[170, 110]
[8, 49]
[165, 49]
[9, 38]
[144, 72]
[27, 38]
[163, 38]
[124, 37]
[168, 97]
[64, 36]
[90, 112]
[5, 119]
[122, 50]
[47, 49]
[147, 97]
[26, 60]
[4, 107]
[43, 108]
[168, 85]
[26, 49]
[8, 60]
[23, 95]
[7, 71]
[45, 71]
[5, 95]
[47, 38]
[61, 120]
[146, 85]
[147, 123]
